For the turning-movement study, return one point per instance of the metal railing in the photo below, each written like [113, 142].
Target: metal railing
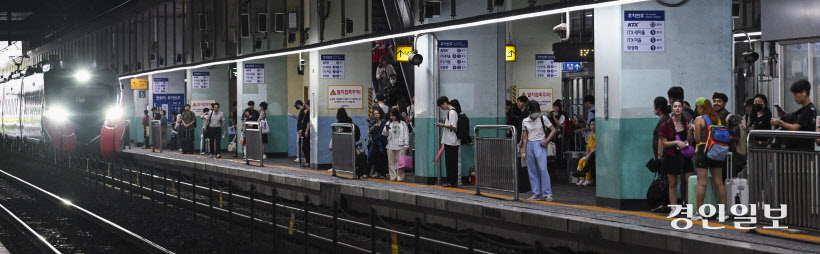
[156, 135]
[253, 144]
[495, 165]
[344, 159]
[786, 177]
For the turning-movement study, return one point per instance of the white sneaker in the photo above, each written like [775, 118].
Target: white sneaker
[580, 182]
[588, 182]
[549, 199]
[296, 160]
[534, 197]
[219, 156]
[330, 170]
[264, 156]
[697, 216]
[202, 153]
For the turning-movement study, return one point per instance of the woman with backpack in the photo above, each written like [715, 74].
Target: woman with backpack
[674, 134]
[398, 142]
[703, 123]
[534, 130]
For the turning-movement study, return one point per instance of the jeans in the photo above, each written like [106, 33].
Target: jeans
[215, 135]
[537, 167]
[451, 164]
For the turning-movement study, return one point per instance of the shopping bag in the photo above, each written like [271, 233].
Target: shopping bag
[232, 145]
[405, 161]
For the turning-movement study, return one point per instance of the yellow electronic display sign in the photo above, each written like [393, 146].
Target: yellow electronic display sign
[403, 53]
[139, 84]
[509, 53]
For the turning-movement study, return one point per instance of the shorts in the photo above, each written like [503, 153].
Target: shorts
[701, 161]
[676, 164]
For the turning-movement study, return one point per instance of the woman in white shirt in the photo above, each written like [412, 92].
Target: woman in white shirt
[397, 143]
[534, 132]
[383, 73]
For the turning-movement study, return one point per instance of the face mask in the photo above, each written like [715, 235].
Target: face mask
[757, 107]
[535, 115]
[392, 81]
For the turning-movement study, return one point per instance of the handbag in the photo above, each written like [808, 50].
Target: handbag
[654, 165]
[263, 125]
[551, 149]
[232, 145]
[405, 160]
[687, 151]
[658, 192]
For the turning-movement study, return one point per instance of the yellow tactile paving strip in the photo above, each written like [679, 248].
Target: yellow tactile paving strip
[594, 208]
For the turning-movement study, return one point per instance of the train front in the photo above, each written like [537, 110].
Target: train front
[77, 103]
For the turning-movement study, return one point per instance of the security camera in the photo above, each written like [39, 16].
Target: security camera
[302, 62]
[561, 30]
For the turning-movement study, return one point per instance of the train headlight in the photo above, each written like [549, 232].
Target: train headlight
[114, 113]
[57, 114]
[82, 75]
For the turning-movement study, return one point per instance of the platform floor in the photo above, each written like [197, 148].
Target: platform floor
[570, 202]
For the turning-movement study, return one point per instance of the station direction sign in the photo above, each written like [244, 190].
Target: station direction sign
[202, 80]
[403, 53]
[139, 84]
[644, 31]
[545, 66]
[333, 66]
[509, 53]
[452, 55]
[161, 85]
[254, 73]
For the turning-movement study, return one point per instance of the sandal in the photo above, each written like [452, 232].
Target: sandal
[660, 209]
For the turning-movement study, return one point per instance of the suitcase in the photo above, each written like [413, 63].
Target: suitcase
[737, 189]
[572, 164]
[187, 141]
[710, 197]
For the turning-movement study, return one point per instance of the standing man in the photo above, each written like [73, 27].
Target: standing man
[380, 102]
[215, 130]
[732, 123]
[163, 124]
[249, 115]
[299, 106]
[449, 140]
[304, 129]
[804, 118]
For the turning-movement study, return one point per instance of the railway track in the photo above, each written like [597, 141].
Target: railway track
[52, 224]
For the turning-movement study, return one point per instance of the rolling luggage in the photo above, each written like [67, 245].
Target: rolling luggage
[710, 197]
[572, 164]
[737, 189]
[187, 137]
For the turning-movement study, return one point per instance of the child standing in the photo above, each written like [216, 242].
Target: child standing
[397, 143]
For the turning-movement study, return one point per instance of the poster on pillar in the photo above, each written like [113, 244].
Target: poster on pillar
[333, 66]
[169, 102]
[545, 66]
[452, 55]
[349, 97]
[542, 95]
[161, 85]
[202, 80]
[198, 105]
[644, 31]
[254, 73]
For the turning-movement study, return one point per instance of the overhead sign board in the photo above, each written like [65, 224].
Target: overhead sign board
[403, 53]
[139, 84]
[161, 85]
[644, 31]
[571, 66]
[254, 73]
[545, 66]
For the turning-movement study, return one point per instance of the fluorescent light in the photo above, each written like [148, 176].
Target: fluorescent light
[750, 34]
[405, 34]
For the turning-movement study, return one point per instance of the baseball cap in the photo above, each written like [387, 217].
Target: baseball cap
[700, 101]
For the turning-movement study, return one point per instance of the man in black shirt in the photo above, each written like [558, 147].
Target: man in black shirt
[304, 128]
[804, 117]
[299, 106]
[662, 110]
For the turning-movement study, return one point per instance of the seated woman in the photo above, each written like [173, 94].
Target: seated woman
[587, 164]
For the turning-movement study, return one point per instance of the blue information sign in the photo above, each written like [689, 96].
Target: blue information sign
[169, 102]
[571, 66]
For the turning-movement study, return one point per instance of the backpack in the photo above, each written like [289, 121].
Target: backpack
[717, 141]
[463, 129]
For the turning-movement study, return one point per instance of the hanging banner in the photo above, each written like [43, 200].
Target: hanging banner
[202, 80]
[644, 31]
[139, 84]
[161, 85]
[452, 55]
[348, 97]
[333, 66]
[542, 95]
[254, 73]
[545, 66]
[198, 105]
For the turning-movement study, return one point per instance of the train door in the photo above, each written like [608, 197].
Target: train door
[574, 89]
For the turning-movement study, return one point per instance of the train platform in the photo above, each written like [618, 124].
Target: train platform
[571, 220]
[3, 249]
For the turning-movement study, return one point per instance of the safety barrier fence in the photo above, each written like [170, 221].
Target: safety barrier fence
[495, 165]
[267, 217]
[156, 135]
[785, 177]
[254, 150]
[344, 148]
